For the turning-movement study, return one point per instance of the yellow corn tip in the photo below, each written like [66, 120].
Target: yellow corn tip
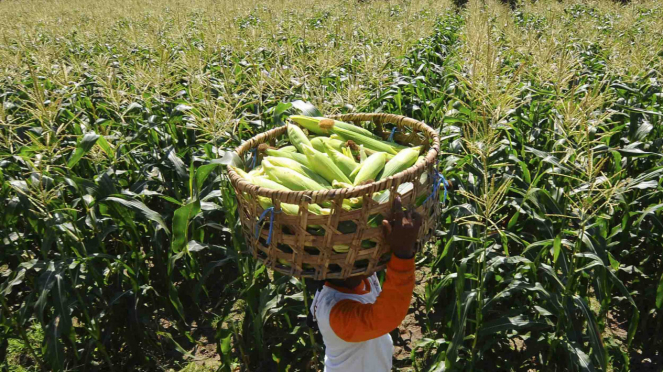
[297, 137]
[340, 185]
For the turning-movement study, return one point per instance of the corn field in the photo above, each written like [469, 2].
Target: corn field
[120, 245]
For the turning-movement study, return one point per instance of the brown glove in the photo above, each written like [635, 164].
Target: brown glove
[402, 230]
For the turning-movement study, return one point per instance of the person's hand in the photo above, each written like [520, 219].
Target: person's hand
[401, 232]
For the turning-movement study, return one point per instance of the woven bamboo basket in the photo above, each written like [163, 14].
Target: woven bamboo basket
[290, 239]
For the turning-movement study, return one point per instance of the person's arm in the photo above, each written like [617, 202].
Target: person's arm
[353, 321]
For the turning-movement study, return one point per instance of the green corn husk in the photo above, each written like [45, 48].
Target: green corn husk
[318, 143]
[293, 209]
[345, 164]
[299, 168]
[265, 182]
[347, 152]
[257, 171]
[324, 166]
[289, 148]
[297, 137]
[362, 153]
[370, 152]
[370, 168]
[260, 181]
[353, 175]
[402, 161]
[240, 172]
[289, 178]
[300, 158]
[368, 142]
[312, 124]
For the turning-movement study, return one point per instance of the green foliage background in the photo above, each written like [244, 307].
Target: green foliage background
[120, 248]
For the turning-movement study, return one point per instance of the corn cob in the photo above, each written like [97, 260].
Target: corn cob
[288, 148]
[324, 166]
[262, 181]
[310, 123]
[405, 159]
[257, 171]
[300, 158]
[297, 137]
[368, 142]
[341, 248]
[293, 209]
[345, 164]
[370, 168]
[362, 153]
[353, 175]
[318, 143]
[357, 148]
[319, 125]
[259, 181]
[241, 172]
[299, 168]
[289, 178]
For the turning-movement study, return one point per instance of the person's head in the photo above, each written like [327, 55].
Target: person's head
[350, 282]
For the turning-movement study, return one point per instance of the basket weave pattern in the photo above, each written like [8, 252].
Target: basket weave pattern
[313, 256]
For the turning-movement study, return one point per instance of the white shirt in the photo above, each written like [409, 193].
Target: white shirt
[340, 356]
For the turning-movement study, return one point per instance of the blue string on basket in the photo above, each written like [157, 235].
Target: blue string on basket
[254, 159]
[438, 179]
[391, 136]
[271, 212]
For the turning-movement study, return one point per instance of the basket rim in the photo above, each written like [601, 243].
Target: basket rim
[311, 196]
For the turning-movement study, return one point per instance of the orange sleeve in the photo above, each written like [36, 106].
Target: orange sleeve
[353, 321]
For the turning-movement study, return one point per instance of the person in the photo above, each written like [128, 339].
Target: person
[355, 315]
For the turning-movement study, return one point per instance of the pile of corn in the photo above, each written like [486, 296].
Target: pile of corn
[333, 154]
